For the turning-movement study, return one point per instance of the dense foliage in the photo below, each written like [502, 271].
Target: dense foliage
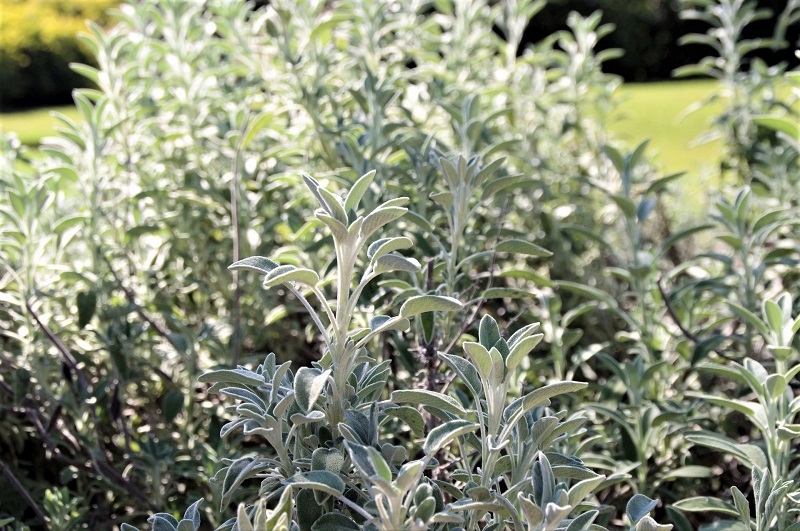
[479, 311]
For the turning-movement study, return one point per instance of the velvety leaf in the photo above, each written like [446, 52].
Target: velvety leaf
[357, 191]
[329, 459]
[258, 264]
[443, 434]
[428, 398]
[706, 504]
[380, 217]
[522, 247]
[395, 262]
[639, 506]
[334, 522]
[308, 510]
[429, 303]
[289, 273]
[320, 480]
[238, 376]
[308, 386]
[387, 245]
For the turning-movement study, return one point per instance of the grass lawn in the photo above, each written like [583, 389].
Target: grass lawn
[658, 111]
[31, 126]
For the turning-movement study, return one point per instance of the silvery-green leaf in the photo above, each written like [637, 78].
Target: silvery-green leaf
[774, 314]
[742, 505]
[308, 418]
[648, 524]
[395, 262]
[443, 198]
[334, 204]
[359, 455]
[480, 357]
[163, 522]
[428, 398]
[387, 245]
[329, 459]
[466, 371]
[409, 475]
[308, 386]
[335, 522]
[776, 385]
[639, 506]
[689, 471]
[193, 513]
[381, 323]
[705, 504]
[522, 349]
[533, 514]
[522, 247]
[357, 191]
[522, 405]
[284, 274]
[583, 522]
[337, 228]
[582, 489]
[554, 514]
[380, 217]
[443, 434]
[314, 187]
[749, 317]
[749, 455]
[233, 376]
[522, 333]
[320, 480]
[258, 264]
[242, 520]
[488, 332]
[237, 473]
[380, 464]
[308, 510]
[429, 303]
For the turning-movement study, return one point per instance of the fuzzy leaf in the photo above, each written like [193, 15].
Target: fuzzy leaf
[380, 217]
[357, 191]
[387, 245]
[522, 247]
[238, 376]
[258, 264]
[639, 506]
[702, 504]
[395, 262]
[283, 274]
[442, 435]
[308, 386]
[429, 303]
[428, 398]
[320, 480]
[334, 522]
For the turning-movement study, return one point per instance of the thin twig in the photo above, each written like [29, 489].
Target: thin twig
[131, 297]
[24, 493]
[674, 316]
[469, 322]
[236, 312]
[65, 353]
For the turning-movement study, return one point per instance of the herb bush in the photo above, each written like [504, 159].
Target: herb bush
[480, 312]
